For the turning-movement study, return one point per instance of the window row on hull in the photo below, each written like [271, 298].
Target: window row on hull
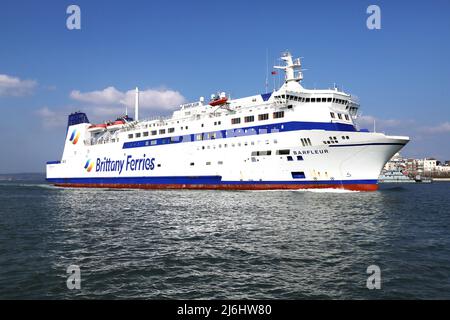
[246, 131]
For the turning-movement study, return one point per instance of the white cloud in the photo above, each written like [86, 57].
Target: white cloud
[441, 128]
[108, 100]
[368, 121]
[52, 119]
[108, 95]
[13, 86]
[155, 99]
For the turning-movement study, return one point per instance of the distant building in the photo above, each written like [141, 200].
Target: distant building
[443, 169]
[395, 163]
[430, 164]
[413, 167]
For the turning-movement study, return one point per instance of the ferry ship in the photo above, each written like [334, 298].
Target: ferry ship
[291, 138]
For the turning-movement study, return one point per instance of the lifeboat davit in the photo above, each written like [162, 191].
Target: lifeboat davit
[218, 102]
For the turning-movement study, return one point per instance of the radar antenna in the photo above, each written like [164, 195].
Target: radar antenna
[292, 68]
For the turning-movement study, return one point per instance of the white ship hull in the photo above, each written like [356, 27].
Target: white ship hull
[351, 164]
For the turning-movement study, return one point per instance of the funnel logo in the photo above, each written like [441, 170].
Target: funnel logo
[74, 136]
[89, 165]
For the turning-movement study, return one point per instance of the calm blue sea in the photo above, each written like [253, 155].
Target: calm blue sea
[223, 244]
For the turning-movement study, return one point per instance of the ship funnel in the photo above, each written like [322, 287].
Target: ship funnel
[136, 105]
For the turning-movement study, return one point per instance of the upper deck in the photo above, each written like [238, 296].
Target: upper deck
[326, 106]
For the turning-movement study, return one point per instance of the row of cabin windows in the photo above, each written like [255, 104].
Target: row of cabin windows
[261, 153]
[333, 115]
[247, 119]
[283, 152]
[302, 99]
[208, 163]
[261, 117]
[278, 152]
[237, 144]
[153, 133]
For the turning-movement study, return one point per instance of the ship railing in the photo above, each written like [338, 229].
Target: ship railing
[354, 99]
[94, 142]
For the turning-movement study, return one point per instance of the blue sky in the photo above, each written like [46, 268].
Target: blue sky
[176, 51]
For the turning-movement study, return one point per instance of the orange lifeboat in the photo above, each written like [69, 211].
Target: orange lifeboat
[100, 125]
[218, 102]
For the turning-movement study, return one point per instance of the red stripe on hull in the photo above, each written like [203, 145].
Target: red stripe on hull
[353, 187]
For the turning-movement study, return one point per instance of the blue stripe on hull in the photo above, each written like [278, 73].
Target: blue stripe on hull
[213, 180]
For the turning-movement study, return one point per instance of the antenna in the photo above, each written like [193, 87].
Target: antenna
[136, 105]
[374, 126]
[267, 69]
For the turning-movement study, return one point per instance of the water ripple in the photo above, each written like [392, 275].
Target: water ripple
[224, 245]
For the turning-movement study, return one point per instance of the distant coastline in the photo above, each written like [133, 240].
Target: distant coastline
[24, 176]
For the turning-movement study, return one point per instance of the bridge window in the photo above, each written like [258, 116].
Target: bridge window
[340, 116]
[145, 133]
[332, 115]
[346, 117]
[264, 116]
[162, 131]
[235, 120]
[153, 133]
[138, 135]
[170, 130]
[329, 100]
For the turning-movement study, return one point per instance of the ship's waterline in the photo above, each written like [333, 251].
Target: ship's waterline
[292, 138]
